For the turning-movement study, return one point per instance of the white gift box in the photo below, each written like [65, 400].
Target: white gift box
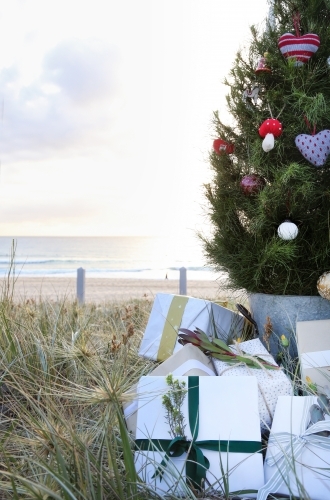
[228, 415]
[313, 339]
[188, 361]
[271, 383]
[171, 312]
[297, 459]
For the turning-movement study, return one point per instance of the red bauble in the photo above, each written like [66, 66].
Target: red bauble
[252, 184]
[220, 146]
[270, 126]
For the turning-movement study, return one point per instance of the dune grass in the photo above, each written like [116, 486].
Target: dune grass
[64, 372]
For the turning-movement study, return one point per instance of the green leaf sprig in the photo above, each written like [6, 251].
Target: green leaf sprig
[219, 349]
[172, 402]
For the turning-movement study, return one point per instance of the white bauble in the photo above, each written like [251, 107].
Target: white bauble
[268, 143]
[323, 285]
[287, 230]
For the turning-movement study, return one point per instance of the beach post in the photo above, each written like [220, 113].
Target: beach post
[183, 281]
[81, 285]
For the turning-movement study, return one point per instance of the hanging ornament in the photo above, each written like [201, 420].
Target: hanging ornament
[287, 230]
[323, 285]
[222, 147]
[270, 129]
[328, 62]
[262, 65]
[252, 184]
[315, 148]
[300, 48]
[251, 93]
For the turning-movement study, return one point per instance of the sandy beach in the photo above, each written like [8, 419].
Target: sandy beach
[100, 290]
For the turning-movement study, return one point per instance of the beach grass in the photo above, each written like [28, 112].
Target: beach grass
[65, 370]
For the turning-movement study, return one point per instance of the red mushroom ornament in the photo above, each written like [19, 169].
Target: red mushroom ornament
[220, 146]
[270, 129]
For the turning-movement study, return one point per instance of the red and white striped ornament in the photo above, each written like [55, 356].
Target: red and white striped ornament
[300, 48]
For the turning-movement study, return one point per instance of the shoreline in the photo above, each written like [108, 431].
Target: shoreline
[99, 290]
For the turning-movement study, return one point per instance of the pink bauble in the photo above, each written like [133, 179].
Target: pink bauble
[252, 184]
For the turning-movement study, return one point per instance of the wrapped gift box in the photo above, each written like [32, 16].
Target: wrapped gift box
[313, 339]
[188, 361]
[228, 422]
[171, 312]
[298, 459]
[271, 383]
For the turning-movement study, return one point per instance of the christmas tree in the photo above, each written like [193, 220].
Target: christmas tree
[269, 199]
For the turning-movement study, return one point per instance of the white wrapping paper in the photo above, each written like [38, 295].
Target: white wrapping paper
[271, 383]
[313, 339]
[171, 312]
[298, 459]
[228, 410]
[188, 361]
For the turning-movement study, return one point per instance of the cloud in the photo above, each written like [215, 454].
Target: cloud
[71, 100]
[83, 70]
[8, 76]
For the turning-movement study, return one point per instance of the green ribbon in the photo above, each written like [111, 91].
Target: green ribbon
[197, 464]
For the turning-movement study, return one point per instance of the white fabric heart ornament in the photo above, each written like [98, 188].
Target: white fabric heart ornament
[300, 48]
[315, 148]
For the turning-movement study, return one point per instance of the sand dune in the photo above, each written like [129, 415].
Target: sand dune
[100, 290]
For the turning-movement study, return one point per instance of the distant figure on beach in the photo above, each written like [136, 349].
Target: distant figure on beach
[166, 276]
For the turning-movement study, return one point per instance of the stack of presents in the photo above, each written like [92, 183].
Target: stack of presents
[231, 404]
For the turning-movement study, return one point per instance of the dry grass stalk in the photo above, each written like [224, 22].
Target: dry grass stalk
[268, 330]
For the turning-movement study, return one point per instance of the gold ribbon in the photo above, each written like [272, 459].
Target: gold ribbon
[171, 327]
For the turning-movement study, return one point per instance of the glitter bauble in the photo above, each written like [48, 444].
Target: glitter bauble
[323, 285]
[252, 184]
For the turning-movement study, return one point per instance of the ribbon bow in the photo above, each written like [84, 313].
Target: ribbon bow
[290, 447]
[196, 464]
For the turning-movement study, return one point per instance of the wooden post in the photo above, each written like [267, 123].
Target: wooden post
[183, 281]
[81, 285]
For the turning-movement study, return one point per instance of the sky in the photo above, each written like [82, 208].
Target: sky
[106, 112]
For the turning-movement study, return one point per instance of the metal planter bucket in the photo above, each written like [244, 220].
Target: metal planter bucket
[283, 312]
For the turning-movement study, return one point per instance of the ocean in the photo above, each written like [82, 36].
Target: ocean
[138, 257]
